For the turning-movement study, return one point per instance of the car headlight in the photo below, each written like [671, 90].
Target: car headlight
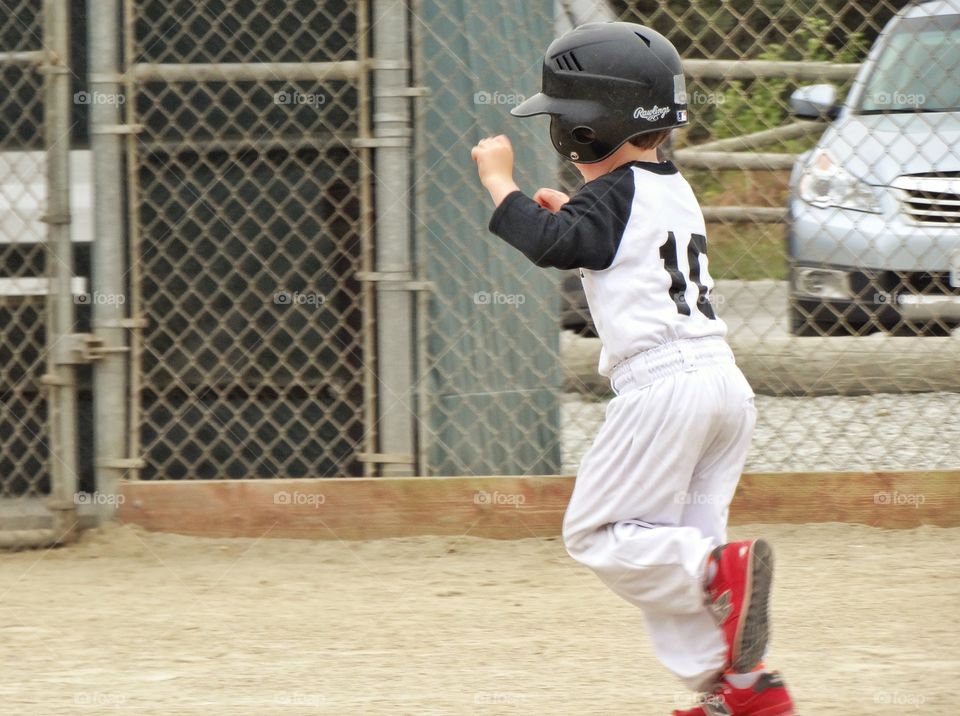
[825, 183]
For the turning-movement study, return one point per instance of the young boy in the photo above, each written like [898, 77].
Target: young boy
[649, 510]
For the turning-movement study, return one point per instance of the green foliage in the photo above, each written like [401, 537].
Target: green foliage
[751, 106]
[747, 252]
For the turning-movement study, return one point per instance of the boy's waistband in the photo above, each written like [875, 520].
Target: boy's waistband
[686, 354]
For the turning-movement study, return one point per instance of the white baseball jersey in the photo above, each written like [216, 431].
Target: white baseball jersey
[638, 237]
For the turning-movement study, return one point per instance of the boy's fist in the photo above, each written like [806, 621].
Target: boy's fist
[550, 199]
[494, 158]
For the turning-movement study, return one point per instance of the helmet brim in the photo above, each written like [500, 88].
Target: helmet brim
[537, 104]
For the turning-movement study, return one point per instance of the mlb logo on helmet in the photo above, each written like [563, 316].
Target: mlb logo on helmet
[681, 115]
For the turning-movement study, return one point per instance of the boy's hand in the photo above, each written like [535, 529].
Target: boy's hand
[494, 158]
[550, 199]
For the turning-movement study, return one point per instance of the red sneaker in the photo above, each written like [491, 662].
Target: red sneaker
[739, 594]
[767, 697]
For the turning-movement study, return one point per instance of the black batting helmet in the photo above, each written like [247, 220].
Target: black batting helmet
[604, 83]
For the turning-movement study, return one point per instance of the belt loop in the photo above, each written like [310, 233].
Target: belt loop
[640, 374]
[687, 353]
[620, 377]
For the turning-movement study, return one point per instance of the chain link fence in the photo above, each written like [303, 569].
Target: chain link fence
[840, 313]
[40, 472]
[246, 207]
[493, 340]
[312, 290]
[23, 429]
[845, 325]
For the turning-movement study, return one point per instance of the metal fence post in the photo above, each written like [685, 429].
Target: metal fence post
[395, 334]
[107, 258]
[61, 371]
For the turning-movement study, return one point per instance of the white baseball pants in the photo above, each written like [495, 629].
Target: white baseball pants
[652, 494]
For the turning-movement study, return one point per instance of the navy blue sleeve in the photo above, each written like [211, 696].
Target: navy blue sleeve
[585, 233]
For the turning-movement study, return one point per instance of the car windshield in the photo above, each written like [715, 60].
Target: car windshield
[918, 69]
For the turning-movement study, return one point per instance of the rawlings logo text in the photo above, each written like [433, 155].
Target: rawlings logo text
[652, 114]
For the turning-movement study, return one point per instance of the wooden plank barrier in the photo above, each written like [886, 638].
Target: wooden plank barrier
[507, 507]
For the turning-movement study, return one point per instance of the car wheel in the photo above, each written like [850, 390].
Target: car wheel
[574, 311]
[810, 318]
[803, 325]
[921, 328]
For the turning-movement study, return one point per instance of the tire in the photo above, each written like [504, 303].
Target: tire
[812, 318]
[574, 311]
[803, 326]
[922, 329]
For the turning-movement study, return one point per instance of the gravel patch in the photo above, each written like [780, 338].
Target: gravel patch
[919, 431]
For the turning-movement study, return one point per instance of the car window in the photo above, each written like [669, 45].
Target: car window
[918, 69]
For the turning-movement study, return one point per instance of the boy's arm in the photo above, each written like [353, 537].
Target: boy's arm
[584, 233]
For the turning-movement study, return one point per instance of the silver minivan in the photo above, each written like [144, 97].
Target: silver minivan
[873, 236]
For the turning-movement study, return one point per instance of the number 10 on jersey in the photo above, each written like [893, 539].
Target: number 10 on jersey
[678, 282]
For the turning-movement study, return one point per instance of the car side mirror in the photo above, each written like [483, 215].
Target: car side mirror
[815, 102]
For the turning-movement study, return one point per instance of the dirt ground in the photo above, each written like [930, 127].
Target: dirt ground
[866, 621]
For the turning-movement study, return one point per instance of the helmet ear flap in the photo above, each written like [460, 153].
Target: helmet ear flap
[579, 139]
